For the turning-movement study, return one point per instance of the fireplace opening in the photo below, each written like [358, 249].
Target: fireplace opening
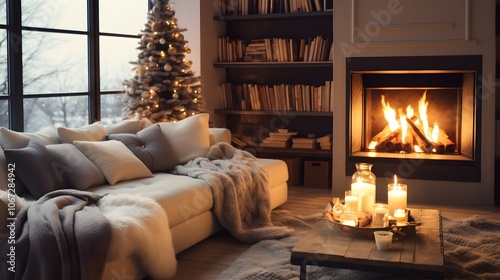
[415, 116]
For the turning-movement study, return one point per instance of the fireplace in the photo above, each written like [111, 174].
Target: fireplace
[415, 116]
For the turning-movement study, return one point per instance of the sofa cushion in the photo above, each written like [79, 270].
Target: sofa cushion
[188, 138]
[150, 146]
[125, 126]
[16, 140]
[35, 167]
[114, 159]
[91, 132]
[80, 172]
[182, 197]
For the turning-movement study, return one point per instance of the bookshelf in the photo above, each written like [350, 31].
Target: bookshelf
[274, 69]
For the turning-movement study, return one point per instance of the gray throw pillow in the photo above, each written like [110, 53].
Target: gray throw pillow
[150, 146]
[36, 168]
[80, 172]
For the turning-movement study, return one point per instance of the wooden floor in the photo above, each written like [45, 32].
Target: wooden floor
[206, 260]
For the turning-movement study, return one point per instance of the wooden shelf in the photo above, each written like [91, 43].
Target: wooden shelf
[278, 16]
[278, 113]
[316, 153]
[327, 64]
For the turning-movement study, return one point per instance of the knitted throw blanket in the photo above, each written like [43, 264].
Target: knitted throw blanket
[50, 246]
[240, 188]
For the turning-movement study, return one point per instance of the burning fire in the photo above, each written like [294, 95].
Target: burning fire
[406, 132]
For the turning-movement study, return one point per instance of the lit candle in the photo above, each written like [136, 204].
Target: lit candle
[397, 196]
[349, 219]
[351, 202]
[379, 215]
[366, 194]
[399, 214]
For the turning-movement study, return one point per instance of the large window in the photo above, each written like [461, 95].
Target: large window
[63, 62]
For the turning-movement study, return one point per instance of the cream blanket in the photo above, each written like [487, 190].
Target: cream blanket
[240, 187]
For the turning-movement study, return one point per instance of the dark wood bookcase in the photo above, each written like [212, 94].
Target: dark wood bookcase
[257, 124]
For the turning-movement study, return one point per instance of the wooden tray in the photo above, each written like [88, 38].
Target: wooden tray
[400, 230]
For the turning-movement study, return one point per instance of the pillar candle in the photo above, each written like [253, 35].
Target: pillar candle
[379, 215]
[351, 203]
[366, 194]
[396, 197]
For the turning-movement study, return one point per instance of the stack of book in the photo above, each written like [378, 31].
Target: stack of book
[304, 143]
[255, 51]
[279, 139]
[325, 142]
[242, 141]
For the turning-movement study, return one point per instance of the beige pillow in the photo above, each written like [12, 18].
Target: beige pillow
[125, 126]
[188, 138]
[17, 140]
[114, 159]
[91, 132]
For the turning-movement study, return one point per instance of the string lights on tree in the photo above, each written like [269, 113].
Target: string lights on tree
[164, 88]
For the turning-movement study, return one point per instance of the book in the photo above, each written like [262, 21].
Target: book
[304, 140]
[304, 145]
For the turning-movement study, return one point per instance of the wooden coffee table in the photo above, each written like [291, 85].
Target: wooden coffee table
[418, 254]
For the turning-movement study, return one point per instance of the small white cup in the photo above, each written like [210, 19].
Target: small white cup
[383, 240]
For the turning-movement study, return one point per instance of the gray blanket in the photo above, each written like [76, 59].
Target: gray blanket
[240, 188]
[50, 246]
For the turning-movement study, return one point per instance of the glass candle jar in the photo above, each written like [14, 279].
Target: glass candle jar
[363, 186]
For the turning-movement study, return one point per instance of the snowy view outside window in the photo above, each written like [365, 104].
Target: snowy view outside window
[55, 60]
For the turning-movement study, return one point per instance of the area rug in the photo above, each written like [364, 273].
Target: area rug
[472, 251]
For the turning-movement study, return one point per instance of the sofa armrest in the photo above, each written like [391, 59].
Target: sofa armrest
[219, 135]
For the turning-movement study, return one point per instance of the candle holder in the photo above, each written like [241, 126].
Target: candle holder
[397, 197]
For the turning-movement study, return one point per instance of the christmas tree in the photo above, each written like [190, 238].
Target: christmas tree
[164, 88]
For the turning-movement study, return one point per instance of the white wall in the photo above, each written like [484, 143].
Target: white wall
[202, 33]
[188, 17]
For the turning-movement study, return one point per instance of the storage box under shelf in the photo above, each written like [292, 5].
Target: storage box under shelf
[317, 174]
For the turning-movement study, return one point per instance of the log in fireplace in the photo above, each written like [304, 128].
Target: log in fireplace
[419, 113]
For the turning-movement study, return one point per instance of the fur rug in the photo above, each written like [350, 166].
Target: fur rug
[139, 227]
[472, 251]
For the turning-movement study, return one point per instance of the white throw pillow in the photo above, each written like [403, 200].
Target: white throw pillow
[188, 138]
[114, 159]
[17, 140]
[124, 126]
[91, 132]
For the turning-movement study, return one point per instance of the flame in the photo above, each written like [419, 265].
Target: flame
[422, 110]
[435, 133]
[389, 114]
[420, 120]
[404, 124]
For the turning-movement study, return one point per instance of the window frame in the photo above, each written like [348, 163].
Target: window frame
[16, 96]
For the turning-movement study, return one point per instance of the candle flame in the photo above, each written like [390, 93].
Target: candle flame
[395, 180]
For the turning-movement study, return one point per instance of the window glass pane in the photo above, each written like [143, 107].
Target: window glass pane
[115, 57]
[122, 16]
[111, 108]
[3, 63]
[58, 14]
[54, 63]
[68, 111]
[3, 11]
[4, 113]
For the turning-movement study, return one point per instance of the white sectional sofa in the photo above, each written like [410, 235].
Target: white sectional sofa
[187, 201]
